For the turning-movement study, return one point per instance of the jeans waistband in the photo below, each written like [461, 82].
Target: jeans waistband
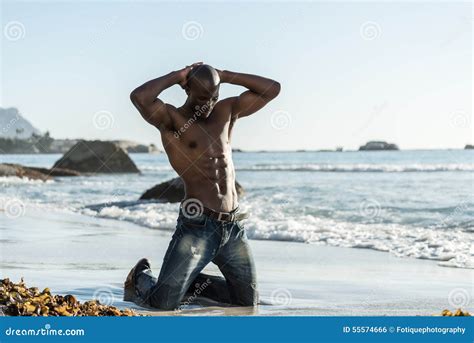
[194, 208]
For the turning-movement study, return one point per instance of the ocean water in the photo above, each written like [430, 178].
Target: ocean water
[414, 204]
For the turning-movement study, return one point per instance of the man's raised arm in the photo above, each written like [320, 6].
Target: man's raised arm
[145, 97]
[260, 92]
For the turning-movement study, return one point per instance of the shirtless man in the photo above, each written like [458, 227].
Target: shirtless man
[196, 138]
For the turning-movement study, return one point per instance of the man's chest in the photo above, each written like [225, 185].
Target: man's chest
[201, 138]
[198, 139]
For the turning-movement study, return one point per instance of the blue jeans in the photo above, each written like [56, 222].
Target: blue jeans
[196, 242]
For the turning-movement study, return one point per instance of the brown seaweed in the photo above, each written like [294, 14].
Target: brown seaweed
[457, 313]
[19, 300]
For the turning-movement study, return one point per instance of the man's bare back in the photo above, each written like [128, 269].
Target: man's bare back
[197, 135]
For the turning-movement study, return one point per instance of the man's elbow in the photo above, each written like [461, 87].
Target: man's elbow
[274, 90]
[277, 87]
[136, 98]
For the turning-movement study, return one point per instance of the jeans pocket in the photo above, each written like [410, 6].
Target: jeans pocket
[241, 231]
[240, 224]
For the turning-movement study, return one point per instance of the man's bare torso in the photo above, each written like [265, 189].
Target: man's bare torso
[198, 145]
[199, 151]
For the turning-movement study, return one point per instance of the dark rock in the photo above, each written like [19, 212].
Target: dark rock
[173, 191]
[17, 170]
[469, 146]
[378, 145]
[34, 173]
[97, 157]
[56, 171]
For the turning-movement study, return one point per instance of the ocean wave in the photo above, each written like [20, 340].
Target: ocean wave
[361, 168]
[155, 168]
[21, 180]
[449, 247]
[145, 213]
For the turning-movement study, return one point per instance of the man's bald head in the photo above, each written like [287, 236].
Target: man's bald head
[202, 87]
[203, 76]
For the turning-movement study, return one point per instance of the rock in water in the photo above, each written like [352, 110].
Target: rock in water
[173, 191]
[56, 171]
[97, 157]
[34, 173]
[378, 145]
[17, 170]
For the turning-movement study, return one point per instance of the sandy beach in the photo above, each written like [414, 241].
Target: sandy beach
[90, 257]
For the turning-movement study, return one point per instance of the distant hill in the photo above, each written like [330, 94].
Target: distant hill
[19, 136]
[13, 125]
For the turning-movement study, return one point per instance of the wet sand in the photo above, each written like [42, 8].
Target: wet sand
[90, 258]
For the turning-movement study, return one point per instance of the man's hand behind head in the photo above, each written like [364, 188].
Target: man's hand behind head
[183, 73]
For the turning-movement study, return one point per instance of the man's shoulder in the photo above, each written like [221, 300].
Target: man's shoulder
[224, 107]
[226, 102]
[167, 123]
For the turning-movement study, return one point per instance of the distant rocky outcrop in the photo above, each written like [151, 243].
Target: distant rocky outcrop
[173, 191]
[378, 145]
[44, 144]
[61, 146]
[14, 125]
[35, 144]
[97, 157]
[338, 149]
[469, 146]
[34, 173]
[134, 147]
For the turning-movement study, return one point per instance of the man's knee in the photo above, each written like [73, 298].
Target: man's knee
[248, 301]
[248, 295]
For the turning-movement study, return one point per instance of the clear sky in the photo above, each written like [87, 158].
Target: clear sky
[350, 72]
